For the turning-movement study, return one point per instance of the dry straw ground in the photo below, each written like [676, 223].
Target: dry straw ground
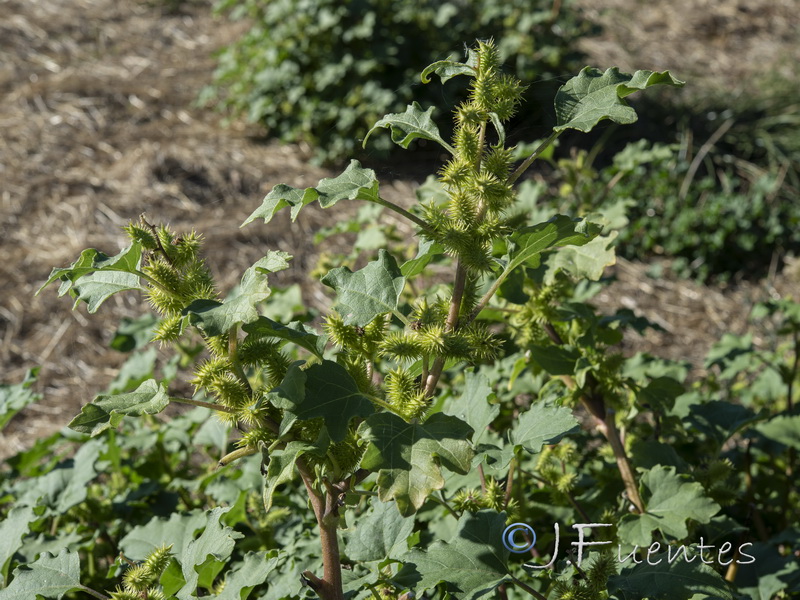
[98, 125]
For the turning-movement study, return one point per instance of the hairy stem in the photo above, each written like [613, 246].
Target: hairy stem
[403, 212]
[452, 321]
[330, 586]
[527, 588]
[536, 154]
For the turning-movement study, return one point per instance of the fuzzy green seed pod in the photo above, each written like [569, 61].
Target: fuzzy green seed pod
[157, 561]
[401, 346]
[468, 499]
[170, 329]
[463, 206]
[143, 235]
[467, 143]
[469, 113]
[210, 370]
[229, 391]
[344, 336]
[121, 594]
[455, 173]
[137, 578]
[498, 162]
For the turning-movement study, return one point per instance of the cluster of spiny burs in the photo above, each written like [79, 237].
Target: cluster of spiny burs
[141, 581]
[476, 180]
[238, 372]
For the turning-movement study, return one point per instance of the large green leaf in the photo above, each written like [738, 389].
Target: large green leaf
[412, 124]
[67, 484]
[588, 261]
[106, 411]
[355, 183]
[48, 577]
[323, 390]
[244, 576]
[409, 455]
[473, 563]
[294, 332]
[216, 318]
[95, 276]
[280, 468]
[15, 397]
[203, 558]
[663, 580]
[673, 499]
[369, 292]
[593, 96]
[474, 405]
[561, 230]
[542, 424]
[381, 533]
[178, 531]
[447, 69]
[12, 530]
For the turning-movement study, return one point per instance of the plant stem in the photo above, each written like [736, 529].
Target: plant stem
[509, 481]
[604, 422]
[403, 212]
[528, 589]
[536, 153]
[452, 321]
[330, 586]
[210, 405]
[94, 593]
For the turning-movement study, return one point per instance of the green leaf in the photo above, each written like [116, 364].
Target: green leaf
[203, 558]
[556, 360]
[355, 183]
[474, 406]
[721, 420]
[244, 576]
[559, 231]
[216, 318]
[588, 261]
[680, 580]
[428, 249]
[660, 393]
[593, 96]
[295, 332]
[379, 534]
[48, 577]
[323, 390]
[106, 411]
[472, 564]
[95, 276]
[13, 528]
[409, 455]
[784, 429]
[178, 530]
[369, 292]
[446, 69]
[412, 124]
[673, 499]
[67, 484]
[280, 468]
[542, 424]
[15, 397]
[91, 261]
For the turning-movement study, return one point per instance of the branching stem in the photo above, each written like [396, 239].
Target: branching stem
[425, 226]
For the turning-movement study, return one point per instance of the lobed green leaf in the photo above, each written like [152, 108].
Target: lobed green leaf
[593, 96]
[355, 183]
[412, 124]
[106, 411]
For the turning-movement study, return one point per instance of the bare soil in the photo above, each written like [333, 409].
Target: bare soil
[98, 125]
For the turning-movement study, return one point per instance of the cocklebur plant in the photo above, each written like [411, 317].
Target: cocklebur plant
[381, 407]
